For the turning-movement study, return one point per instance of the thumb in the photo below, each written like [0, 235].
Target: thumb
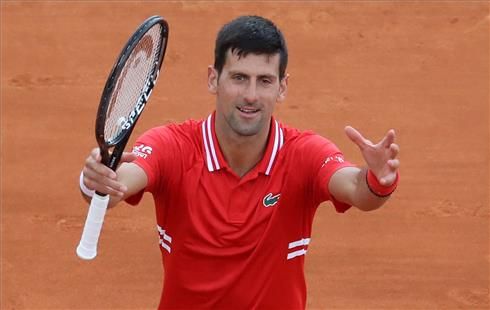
[128, 157]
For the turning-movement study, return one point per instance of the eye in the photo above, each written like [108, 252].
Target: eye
[238, 77]
[266, 81]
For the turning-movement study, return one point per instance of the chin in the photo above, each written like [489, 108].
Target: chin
[246, 128]
[247, 132]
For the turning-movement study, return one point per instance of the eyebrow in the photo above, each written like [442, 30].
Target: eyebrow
[266, 75]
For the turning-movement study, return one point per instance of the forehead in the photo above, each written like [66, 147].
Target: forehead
[252, 64]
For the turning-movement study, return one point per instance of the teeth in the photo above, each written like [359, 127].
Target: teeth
[247, 110]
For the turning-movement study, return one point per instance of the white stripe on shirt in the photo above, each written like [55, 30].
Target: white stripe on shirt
[211, 143]
[208, 156]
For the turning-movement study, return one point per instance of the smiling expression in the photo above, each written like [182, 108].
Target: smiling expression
[247, 91]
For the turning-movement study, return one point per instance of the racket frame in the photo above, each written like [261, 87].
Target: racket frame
[87, 248]
[112, 160]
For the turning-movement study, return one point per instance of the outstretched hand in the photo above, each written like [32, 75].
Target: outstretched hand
[380, 157]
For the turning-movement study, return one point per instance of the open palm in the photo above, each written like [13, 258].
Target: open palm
[381, 158]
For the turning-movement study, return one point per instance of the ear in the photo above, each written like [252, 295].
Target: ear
[212, 80]
[283, 87]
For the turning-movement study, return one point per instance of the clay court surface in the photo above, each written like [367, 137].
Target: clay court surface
[419, 67]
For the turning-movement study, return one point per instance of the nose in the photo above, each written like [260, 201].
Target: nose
[250, 93]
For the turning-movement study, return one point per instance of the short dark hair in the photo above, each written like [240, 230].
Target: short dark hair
[250, 34]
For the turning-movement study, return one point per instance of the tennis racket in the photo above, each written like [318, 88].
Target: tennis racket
[125, 95]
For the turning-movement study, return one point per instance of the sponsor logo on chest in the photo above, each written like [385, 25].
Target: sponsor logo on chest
[271, 200]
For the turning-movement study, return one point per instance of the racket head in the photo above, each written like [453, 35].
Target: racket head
[129, 86]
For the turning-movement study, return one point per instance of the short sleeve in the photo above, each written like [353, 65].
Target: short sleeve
[157, 151]
[326, 159]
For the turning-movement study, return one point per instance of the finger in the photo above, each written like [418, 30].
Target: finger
[95, 154]
[109, 191]
[394, 149]
[394, 164]
[104, 185]
[388, 179]
[92, 165]
[356, 137]
[389, 138]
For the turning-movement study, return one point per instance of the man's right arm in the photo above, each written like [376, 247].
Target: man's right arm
[129, 178]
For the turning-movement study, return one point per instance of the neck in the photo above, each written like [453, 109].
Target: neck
[242, 153]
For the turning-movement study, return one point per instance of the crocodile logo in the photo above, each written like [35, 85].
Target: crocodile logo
[271, 200]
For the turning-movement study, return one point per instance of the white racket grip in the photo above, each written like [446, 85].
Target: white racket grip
[87, 248]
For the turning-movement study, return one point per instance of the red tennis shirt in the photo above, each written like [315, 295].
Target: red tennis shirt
[229, 242]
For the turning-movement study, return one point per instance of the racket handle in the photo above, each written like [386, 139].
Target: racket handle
[87, 248]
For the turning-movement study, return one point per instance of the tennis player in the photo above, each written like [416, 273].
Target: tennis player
[235, 193]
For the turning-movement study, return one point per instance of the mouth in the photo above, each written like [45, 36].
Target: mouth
[248, 110]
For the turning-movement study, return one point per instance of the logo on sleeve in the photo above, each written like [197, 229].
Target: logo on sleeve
[142, 150]
[271, 200]
[335, 158]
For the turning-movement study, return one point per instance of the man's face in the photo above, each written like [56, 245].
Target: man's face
[246, 92]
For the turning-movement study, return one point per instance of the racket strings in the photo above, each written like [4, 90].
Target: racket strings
[131, 82]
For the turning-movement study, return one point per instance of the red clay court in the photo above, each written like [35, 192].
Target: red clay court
[421, 67]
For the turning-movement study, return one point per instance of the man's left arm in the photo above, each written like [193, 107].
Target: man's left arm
[368, 188]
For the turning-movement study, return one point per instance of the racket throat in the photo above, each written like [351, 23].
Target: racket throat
[111, 158]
